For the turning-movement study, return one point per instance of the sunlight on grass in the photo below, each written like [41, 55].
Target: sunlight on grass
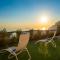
[43, 47]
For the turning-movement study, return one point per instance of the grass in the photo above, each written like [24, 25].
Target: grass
[53, 53]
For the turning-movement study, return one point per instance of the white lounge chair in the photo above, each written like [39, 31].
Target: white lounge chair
[48, 40]
[22, 45]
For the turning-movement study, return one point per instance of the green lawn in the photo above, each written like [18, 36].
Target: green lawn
[53, 53]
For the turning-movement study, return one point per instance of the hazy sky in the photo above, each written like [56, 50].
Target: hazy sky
[24, 13]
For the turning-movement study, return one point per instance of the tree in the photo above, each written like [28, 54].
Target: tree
[4, 38]
[31, 34]
[18, 32]
[58, 27]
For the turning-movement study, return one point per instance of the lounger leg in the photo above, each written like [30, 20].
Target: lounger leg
[28, 54]
[11, 53]
[16, 57]
[14, 54]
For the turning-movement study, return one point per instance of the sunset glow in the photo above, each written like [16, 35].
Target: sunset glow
[43, 28]
[36, 14]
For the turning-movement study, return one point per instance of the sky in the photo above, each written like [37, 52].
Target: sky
[25, 14]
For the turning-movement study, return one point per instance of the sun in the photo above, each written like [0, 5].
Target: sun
[43, 19]
[43, 28]
[44, 22]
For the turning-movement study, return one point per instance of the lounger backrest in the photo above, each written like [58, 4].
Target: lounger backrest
[23, 41]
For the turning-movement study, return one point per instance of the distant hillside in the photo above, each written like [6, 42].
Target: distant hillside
[56, 26]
